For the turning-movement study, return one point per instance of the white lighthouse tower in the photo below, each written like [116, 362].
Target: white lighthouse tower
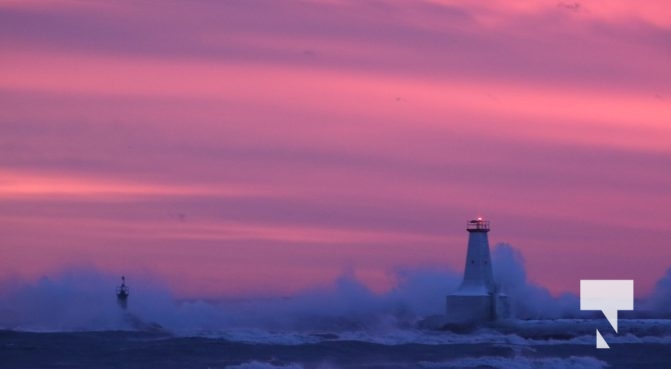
[478, 299]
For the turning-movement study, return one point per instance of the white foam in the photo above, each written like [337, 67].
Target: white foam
[263, 365]
[519, 362]
[406, 336]
[399, 336]
[616, 339]
[256, 336]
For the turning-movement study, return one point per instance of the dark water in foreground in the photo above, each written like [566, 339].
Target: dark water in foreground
[533, 345]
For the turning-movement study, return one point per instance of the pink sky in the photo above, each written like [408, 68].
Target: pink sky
[246, 147]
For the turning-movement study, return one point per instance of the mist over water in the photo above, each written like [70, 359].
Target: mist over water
[84, 299]
[660, 300]
[74, 300]
[528, 300]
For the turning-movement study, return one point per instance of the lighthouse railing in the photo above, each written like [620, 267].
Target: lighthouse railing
[472, 225]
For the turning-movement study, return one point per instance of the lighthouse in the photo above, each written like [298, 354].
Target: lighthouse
[478, 298]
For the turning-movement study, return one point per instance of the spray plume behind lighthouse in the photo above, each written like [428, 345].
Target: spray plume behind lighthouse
[478, 298]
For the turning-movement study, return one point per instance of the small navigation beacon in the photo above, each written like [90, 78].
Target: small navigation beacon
[122, 294]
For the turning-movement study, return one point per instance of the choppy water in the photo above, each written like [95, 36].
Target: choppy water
[519, 345]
